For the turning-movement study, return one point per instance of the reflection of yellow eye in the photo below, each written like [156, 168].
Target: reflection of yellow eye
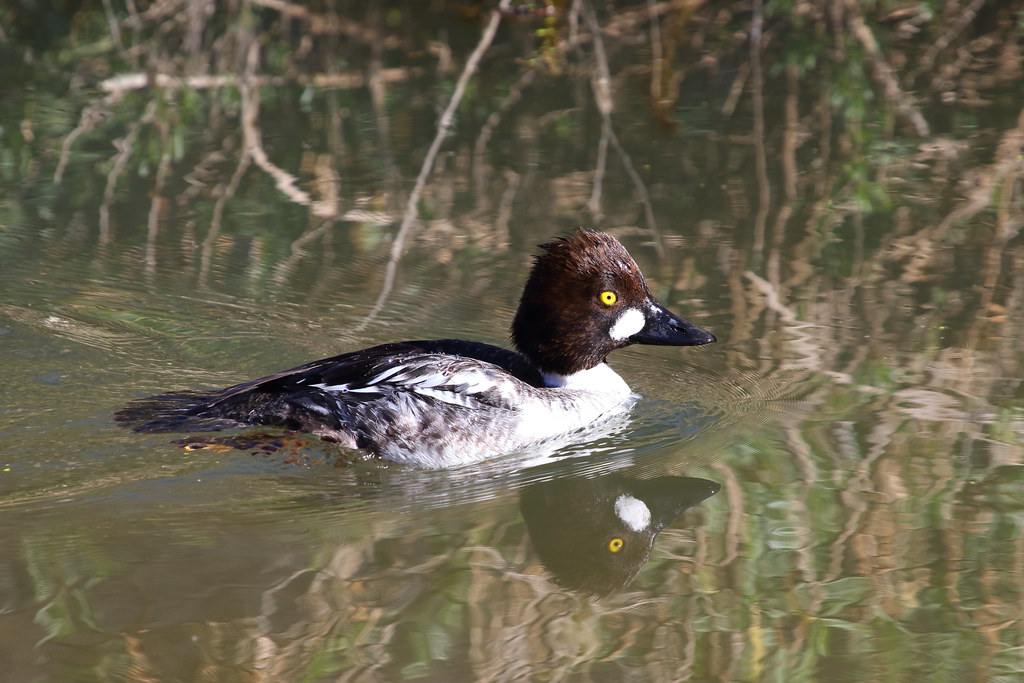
[608, 297]
[615, 545]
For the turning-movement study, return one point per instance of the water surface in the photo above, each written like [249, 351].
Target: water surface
[861, 412]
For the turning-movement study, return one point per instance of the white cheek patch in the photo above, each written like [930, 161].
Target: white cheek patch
[633, 512]
[629, 322]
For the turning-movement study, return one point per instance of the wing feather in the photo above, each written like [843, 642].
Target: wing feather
[457, 372]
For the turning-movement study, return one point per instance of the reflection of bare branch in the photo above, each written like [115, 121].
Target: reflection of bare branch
[824, 144]
[732, 539]
[505, 207]
[757, 95]
[791, 133]
[802, 342]
[601, 85]
[346, 81]
[883, 71]
[667, 72]
[444, 124]
[316, 24]
[739, 84]
[91, 115]
[154, 13]
[158, 200]
[253, 146]
[115, 30]
[594, 205]
[657, 61]
[137, 81]
[321, 23]
[1000, 176]
[378, 96]
[327, 185]
[196, 17]
[1007, 165]
[285, 269]
[515, 93]
[925, 62]
[216, 219]
[124, 148]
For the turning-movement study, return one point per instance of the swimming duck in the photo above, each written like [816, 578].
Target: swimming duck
[447, 402]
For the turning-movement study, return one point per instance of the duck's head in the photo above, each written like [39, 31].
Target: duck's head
[586, 297]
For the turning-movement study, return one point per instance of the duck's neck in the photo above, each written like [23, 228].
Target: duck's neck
[600, 378]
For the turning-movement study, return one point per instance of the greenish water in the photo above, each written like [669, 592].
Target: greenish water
[862, 412]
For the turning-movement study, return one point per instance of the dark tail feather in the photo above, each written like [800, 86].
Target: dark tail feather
[182, 412]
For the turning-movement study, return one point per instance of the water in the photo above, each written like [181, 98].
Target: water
[860, 415]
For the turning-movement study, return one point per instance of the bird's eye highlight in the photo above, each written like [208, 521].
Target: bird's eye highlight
[608, 297]
[615, 545]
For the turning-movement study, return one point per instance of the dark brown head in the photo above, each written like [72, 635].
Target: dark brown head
[585, 298]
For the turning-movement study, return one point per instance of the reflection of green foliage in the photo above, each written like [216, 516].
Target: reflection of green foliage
[842, 616]
[1004, 429]
[852, 94]
[60, 584]
[805, 41]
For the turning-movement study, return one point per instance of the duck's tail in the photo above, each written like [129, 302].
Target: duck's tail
[184, 412]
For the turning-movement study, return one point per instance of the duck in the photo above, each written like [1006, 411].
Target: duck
[448, 402]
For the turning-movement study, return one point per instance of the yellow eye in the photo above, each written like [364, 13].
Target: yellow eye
[615, 545]
[608, 297]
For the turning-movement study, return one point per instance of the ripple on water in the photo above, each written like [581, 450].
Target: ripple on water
[185, 340]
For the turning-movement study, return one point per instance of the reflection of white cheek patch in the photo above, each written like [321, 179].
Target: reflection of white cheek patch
[633, 512]
[630, 322]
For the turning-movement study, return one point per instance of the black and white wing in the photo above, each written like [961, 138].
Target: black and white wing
[328, 396]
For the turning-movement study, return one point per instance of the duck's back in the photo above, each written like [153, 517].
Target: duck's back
[385, 398]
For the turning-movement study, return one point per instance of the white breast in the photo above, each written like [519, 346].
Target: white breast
[574, 401]
[600, 379]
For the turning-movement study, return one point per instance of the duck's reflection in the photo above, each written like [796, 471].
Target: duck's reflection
[594, 535]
